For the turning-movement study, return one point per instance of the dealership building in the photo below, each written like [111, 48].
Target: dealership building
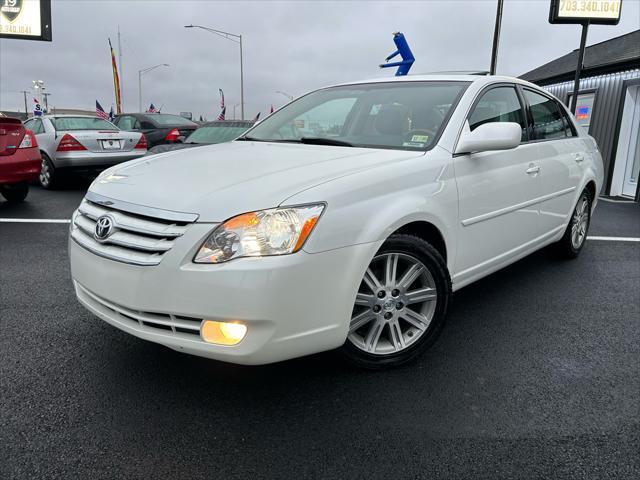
[608, 104]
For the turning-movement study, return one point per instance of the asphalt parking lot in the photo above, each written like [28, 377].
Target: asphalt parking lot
[536, 375]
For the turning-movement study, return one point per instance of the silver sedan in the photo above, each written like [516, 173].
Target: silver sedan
[81, 143]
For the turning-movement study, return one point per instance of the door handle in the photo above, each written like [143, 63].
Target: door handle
[578, 157]
[533, 169]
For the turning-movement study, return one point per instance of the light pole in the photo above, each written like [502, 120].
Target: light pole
[290, 97]
[142, 72]
[234, 38]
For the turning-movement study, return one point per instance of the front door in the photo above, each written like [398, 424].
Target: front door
[495, 191]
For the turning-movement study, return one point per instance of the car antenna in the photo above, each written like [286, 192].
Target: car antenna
[404, 51]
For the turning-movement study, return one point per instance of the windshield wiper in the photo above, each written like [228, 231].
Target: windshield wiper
[325, 141]
[245, 138]
[306, 140]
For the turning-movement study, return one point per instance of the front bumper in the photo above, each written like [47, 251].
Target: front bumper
[93, 160]
[293, 305]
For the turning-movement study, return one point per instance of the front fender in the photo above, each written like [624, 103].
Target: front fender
[369, 206]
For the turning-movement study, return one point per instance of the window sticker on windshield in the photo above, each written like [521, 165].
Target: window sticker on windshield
[413, 144]
[299, 123]
[420, 138]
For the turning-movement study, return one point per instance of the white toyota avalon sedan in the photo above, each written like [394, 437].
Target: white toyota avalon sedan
[344, 220]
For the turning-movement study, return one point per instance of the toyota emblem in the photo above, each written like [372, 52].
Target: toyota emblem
[104, 228]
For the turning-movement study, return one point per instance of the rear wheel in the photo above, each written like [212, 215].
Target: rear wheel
[401, 304]
[576, 233]
[15, 193]
[48, 177]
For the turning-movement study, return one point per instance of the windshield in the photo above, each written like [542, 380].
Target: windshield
[215, 134]
[82, 123]
[167, 119]
[397, 115]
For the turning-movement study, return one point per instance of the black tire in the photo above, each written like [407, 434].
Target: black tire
[15, 193]
[569, 247]
[48, 177]
[407, 248]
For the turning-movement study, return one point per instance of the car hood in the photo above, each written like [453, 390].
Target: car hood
[220, 181]
[170, 147]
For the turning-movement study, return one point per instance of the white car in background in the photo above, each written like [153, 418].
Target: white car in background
[344, 220]
[81, 143]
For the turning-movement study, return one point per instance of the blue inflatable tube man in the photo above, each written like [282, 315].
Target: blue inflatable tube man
[404, 51]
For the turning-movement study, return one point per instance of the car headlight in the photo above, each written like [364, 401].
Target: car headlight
[277, 231]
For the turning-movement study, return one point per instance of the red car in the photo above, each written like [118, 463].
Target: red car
[20, 159]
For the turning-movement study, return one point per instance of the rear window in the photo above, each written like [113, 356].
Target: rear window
[166, 119]
[81, 123]
[216, 134]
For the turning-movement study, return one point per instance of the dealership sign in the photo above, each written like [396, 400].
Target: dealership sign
[603, 12]
[25, 19]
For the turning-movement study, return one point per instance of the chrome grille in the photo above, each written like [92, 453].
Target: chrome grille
[186, 327]
[134, 238]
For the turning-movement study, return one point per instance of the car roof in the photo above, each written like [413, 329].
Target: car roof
[229, 123]
[477, 78]
[67, 115]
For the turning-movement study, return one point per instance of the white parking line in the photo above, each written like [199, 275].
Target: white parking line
[611, 200]
[34, 220]
[615, 239]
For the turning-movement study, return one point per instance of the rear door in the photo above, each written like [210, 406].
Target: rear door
[495, 190]
[561, 156]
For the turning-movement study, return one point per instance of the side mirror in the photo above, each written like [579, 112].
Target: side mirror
[489, 136]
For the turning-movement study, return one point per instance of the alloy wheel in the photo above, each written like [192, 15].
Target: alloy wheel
[394, 306]
[45, 173]
[580, 222]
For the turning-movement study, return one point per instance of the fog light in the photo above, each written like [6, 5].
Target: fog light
[222, 333]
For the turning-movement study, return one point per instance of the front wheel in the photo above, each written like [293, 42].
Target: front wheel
[401, 304]
[576, 233]
[15, 193]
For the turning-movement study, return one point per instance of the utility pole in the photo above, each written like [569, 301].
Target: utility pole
[26, 111]
[46, 101]
[121, 70]
[496, 38]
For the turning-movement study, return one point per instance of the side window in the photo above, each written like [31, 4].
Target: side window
[35, 125]
[144, 125]
[126, 123]
[548, 123]
[569, 129]
[500, 104]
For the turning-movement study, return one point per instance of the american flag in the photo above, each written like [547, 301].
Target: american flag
[221, 116]
[151, 109]
[100, 111]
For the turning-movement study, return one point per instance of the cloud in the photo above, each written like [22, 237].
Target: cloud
[289, 46]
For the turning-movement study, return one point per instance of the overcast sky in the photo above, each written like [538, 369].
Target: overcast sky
[291, 46]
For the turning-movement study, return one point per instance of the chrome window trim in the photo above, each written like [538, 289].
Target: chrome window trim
[141, 209]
